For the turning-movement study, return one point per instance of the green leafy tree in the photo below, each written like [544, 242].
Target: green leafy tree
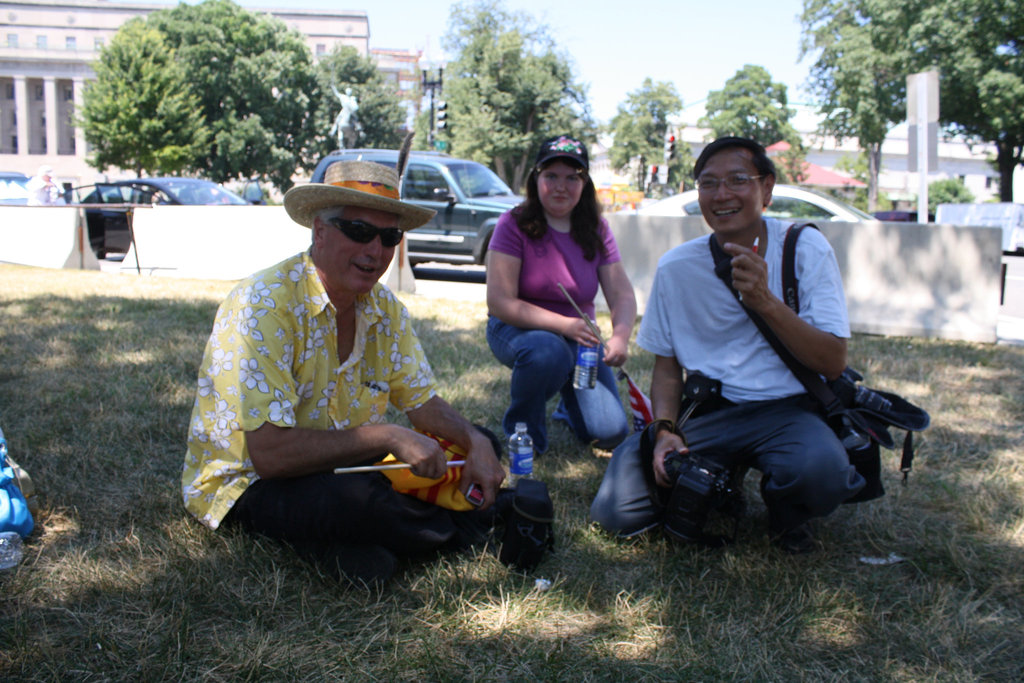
[380, 116]
[139, 112]
[977, 47]
[948, 191]
[791, 163]
[860, 72]
[750, 105]
[639, 128]
[507, 89]
[255, 83]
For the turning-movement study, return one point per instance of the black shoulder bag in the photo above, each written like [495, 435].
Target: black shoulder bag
[859, 416]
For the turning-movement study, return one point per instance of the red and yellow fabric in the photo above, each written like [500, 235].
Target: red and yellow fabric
[443, 492]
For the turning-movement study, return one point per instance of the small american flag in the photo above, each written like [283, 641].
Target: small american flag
[639, 403]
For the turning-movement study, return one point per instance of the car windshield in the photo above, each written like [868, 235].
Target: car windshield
[189, 191]
[13, 188]
[477, 180]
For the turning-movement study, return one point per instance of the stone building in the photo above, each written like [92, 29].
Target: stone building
[46, 51]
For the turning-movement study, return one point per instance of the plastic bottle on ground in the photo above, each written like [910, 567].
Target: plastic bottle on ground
[520, 455]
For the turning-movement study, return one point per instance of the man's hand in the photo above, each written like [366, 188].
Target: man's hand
[423, 453]
[749, 276]
[667, 443]
[483, 469]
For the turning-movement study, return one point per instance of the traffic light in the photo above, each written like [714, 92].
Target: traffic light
[442, 115]
[654, 174]
[670, 147]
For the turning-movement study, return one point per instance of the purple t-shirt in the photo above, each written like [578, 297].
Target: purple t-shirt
[552, 259]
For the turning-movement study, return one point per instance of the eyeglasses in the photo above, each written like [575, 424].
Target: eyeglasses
[363, 232]
[736, 181]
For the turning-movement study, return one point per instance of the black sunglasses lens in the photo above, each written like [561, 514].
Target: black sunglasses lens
[361, 232]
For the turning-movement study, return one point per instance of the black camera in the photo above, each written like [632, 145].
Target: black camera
[701, 487]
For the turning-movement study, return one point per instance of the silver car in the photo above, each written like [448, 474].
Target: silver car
[789, 202]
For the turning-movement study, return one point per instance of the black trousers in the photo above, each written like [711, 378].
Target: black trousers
[349, 509]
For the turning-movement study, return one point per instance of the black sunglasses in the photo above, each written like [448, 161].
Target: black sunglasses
[363, 232]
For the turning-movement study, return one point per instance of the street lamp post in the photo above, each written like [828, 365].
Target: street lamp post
[431, 86]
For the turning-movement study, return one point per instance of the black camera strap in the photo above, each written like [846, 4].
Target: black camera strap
[812, 381]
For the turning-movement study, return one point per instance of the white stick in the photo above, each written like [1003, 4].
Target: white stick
[586, 318]
[389, 466]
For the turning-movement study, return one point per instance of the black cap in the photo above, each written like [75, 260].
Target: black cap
[563, 147]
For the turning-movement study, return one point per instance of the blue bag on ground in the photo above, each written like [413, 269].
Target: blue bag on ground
[14, 512]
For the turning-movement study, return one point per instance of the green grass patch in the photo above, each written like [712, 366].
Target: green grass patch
[97, 376]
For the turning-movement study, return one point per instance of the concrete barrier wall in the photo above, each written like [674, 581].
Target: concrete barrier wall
[46, 237]
[212, 242]
[900, 278]
[225, 243]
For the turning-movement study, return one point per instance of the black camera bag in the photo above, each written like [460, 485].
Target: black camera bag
[838, 397]
[528, 526]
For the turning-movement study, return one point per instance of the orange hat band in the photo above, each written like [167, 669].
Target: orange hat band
[379, 189]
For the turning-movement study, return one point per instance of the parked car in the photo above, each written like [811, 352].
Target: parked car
[900, 216]
[13, 188]
[107, 204]
[468, 197]
[789, 202]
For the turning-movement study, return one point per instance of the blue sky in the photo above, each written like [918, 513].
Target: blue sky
[615, 45]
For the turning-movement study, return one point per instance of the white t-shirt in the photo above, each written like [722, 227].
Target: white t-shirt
[693, 316]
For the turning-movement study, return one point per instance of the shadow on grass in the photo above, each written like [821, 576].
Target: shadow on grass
[119, 583]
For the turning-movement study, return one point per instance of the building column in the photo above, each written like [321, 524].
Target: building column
[78, 84]
[21, 113]
[50, 97]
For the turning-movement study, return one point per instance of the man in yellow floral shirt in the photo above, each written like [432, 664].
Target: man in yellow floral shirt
[298, 373]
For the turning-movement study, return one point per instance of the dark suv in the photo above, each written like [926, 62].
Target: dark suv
[467, 196]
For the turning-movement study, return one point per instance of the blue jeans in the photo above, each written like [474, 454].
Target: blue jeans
[806, 472]
[542, 364]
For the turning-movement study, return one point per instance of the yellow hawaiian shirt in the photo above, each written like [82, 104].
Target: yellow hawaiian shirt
[273, 357]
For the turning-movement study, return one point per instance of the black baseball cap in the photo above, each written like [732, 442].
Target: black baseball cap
[563, 147]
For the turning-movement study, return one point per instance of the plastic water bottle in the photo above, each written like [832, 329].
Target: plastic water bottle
[520, 455]
[585, 375]
[10, 549]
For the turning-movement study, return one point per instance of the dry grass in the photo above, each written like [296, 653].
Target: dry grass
[96, 383]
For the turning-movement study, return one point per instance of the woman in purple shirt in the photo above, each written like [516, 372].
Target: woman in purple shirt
[557, 237]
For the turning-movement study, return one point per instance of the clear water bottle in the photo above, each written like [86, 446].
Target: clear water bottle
[10, 549]
[585, 375]
[520, 455]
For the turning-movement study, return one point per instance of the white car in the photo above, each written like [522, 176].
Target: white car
[788, 202]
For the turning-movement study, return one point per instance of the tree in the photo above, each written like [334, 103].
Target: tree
[976, 45]
[380, 117]
[860, 74]
[948, 191]
[254, 80]
[750, 105]
[139, 112]
[639, 128]
[507, 89]
[791, 163]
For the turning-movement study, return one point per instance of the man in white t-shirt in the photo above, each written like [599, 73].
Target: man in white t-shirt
[763, 417]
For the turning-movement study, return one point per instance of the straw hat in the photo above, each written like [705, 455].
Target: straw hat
[354, 183]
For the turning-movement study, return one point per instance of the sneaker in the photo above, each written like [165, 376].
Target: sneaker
[797, 541]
